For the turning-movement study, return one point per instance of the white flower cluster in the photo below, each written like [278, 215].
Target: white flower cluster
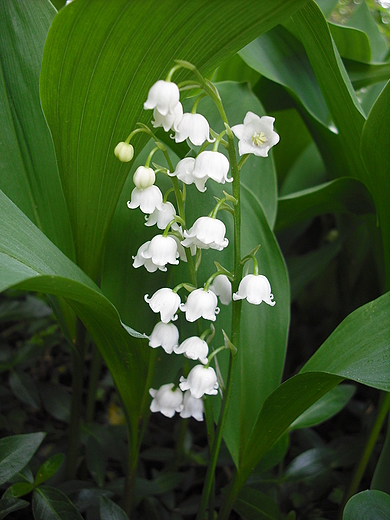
[256, 136]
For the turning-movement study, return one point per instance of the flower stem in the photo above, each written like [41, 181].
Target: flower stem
[236, 312]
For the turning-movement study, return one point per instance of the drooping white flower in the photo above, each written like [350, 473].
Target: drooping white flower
[163, 95]
[147, 200]
[165, 335]
[256, 135]
[162, 216]
[124, 151]
[222, 287]
[181, 250]
[140, 260]
[256, 289]
[201, 380]
[184, 172]
[166, 302]
[200, 304]
[161, 251]
[193, 348]
[144, 177]
[167, 400]
[211, 165]
[193, 127]
[170, 120]
[206, 233]
[192, 407]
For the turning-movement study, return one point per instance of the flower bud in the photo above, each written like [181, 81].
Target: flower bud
[124, 151]
[144, 177]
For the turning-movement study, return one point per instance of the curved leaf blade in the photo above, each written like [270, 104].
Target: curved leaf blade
[368, 505]
[16, 452]
[51, 504]
[93, 98]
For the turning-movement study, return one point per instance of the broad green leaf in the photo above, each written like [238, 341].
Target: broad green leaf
[375, 151]
[362, 19]
[24, 388]
[307, 171]
[264, 329]
[325, 408]
[235, 69]
[368, 505]
[16, 452]
[49, 468]
[8, 505]
[351, 43]
[32, 262]
[344, 195]
[51, 504]
[93, 98]
[56, 400]
[359, 349]
[333, 80]
[95, 459]
[255, 505]
[110, 511]
[18, 490]
[362, 344]
[310, 464]
[29, 174]
[281, 57]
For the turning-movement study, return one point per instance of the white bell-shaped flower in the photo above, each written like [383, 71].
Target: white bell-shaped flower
[201, 380]
[184, 172]
[162, 216]
[193, 348]
[170, 120]
[192, 407]
[256, 135]
[165, 335]
[124, 151]
[166, 302]
[140, 260]
[147, 200]
[211, 165]
[162, 251]
[144, 177]
[163, 95]
[222, 287]
[256, 289]
[200, 304]
[206, 233]
[167, 399]
[193, 127]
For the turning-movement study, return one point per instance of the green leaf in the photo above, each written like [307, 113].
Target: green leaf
[16, 452]
[24, 388]
[49, 468]
[310, 464]
[325, 408]
[368, 505]
[18, 490]
[29, 174]
[95, 459]
[334, 82]
[110, 511]
[30, 260]
[255, 505]
[8, 505]
[359, 348]
[344, 195]
[365, 74]
[56, 400]
[51, 504]
[93, 99]
[375, 151]
[351, 43]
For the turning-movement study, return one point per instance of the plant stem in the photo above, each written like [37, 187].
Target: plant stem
[96, 368]
[236, 319]
[78, 355]
[382, 412]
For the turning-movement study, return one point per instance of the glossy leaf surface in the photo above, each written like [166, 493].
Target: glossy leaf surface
[16, 452]
[51, 504]
[368, 505]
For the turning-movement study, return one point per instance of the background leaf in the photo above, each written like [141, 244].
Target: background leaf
[8, 505]
[368, 505]
[110, 511]
[51, 504]
[16, 452]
